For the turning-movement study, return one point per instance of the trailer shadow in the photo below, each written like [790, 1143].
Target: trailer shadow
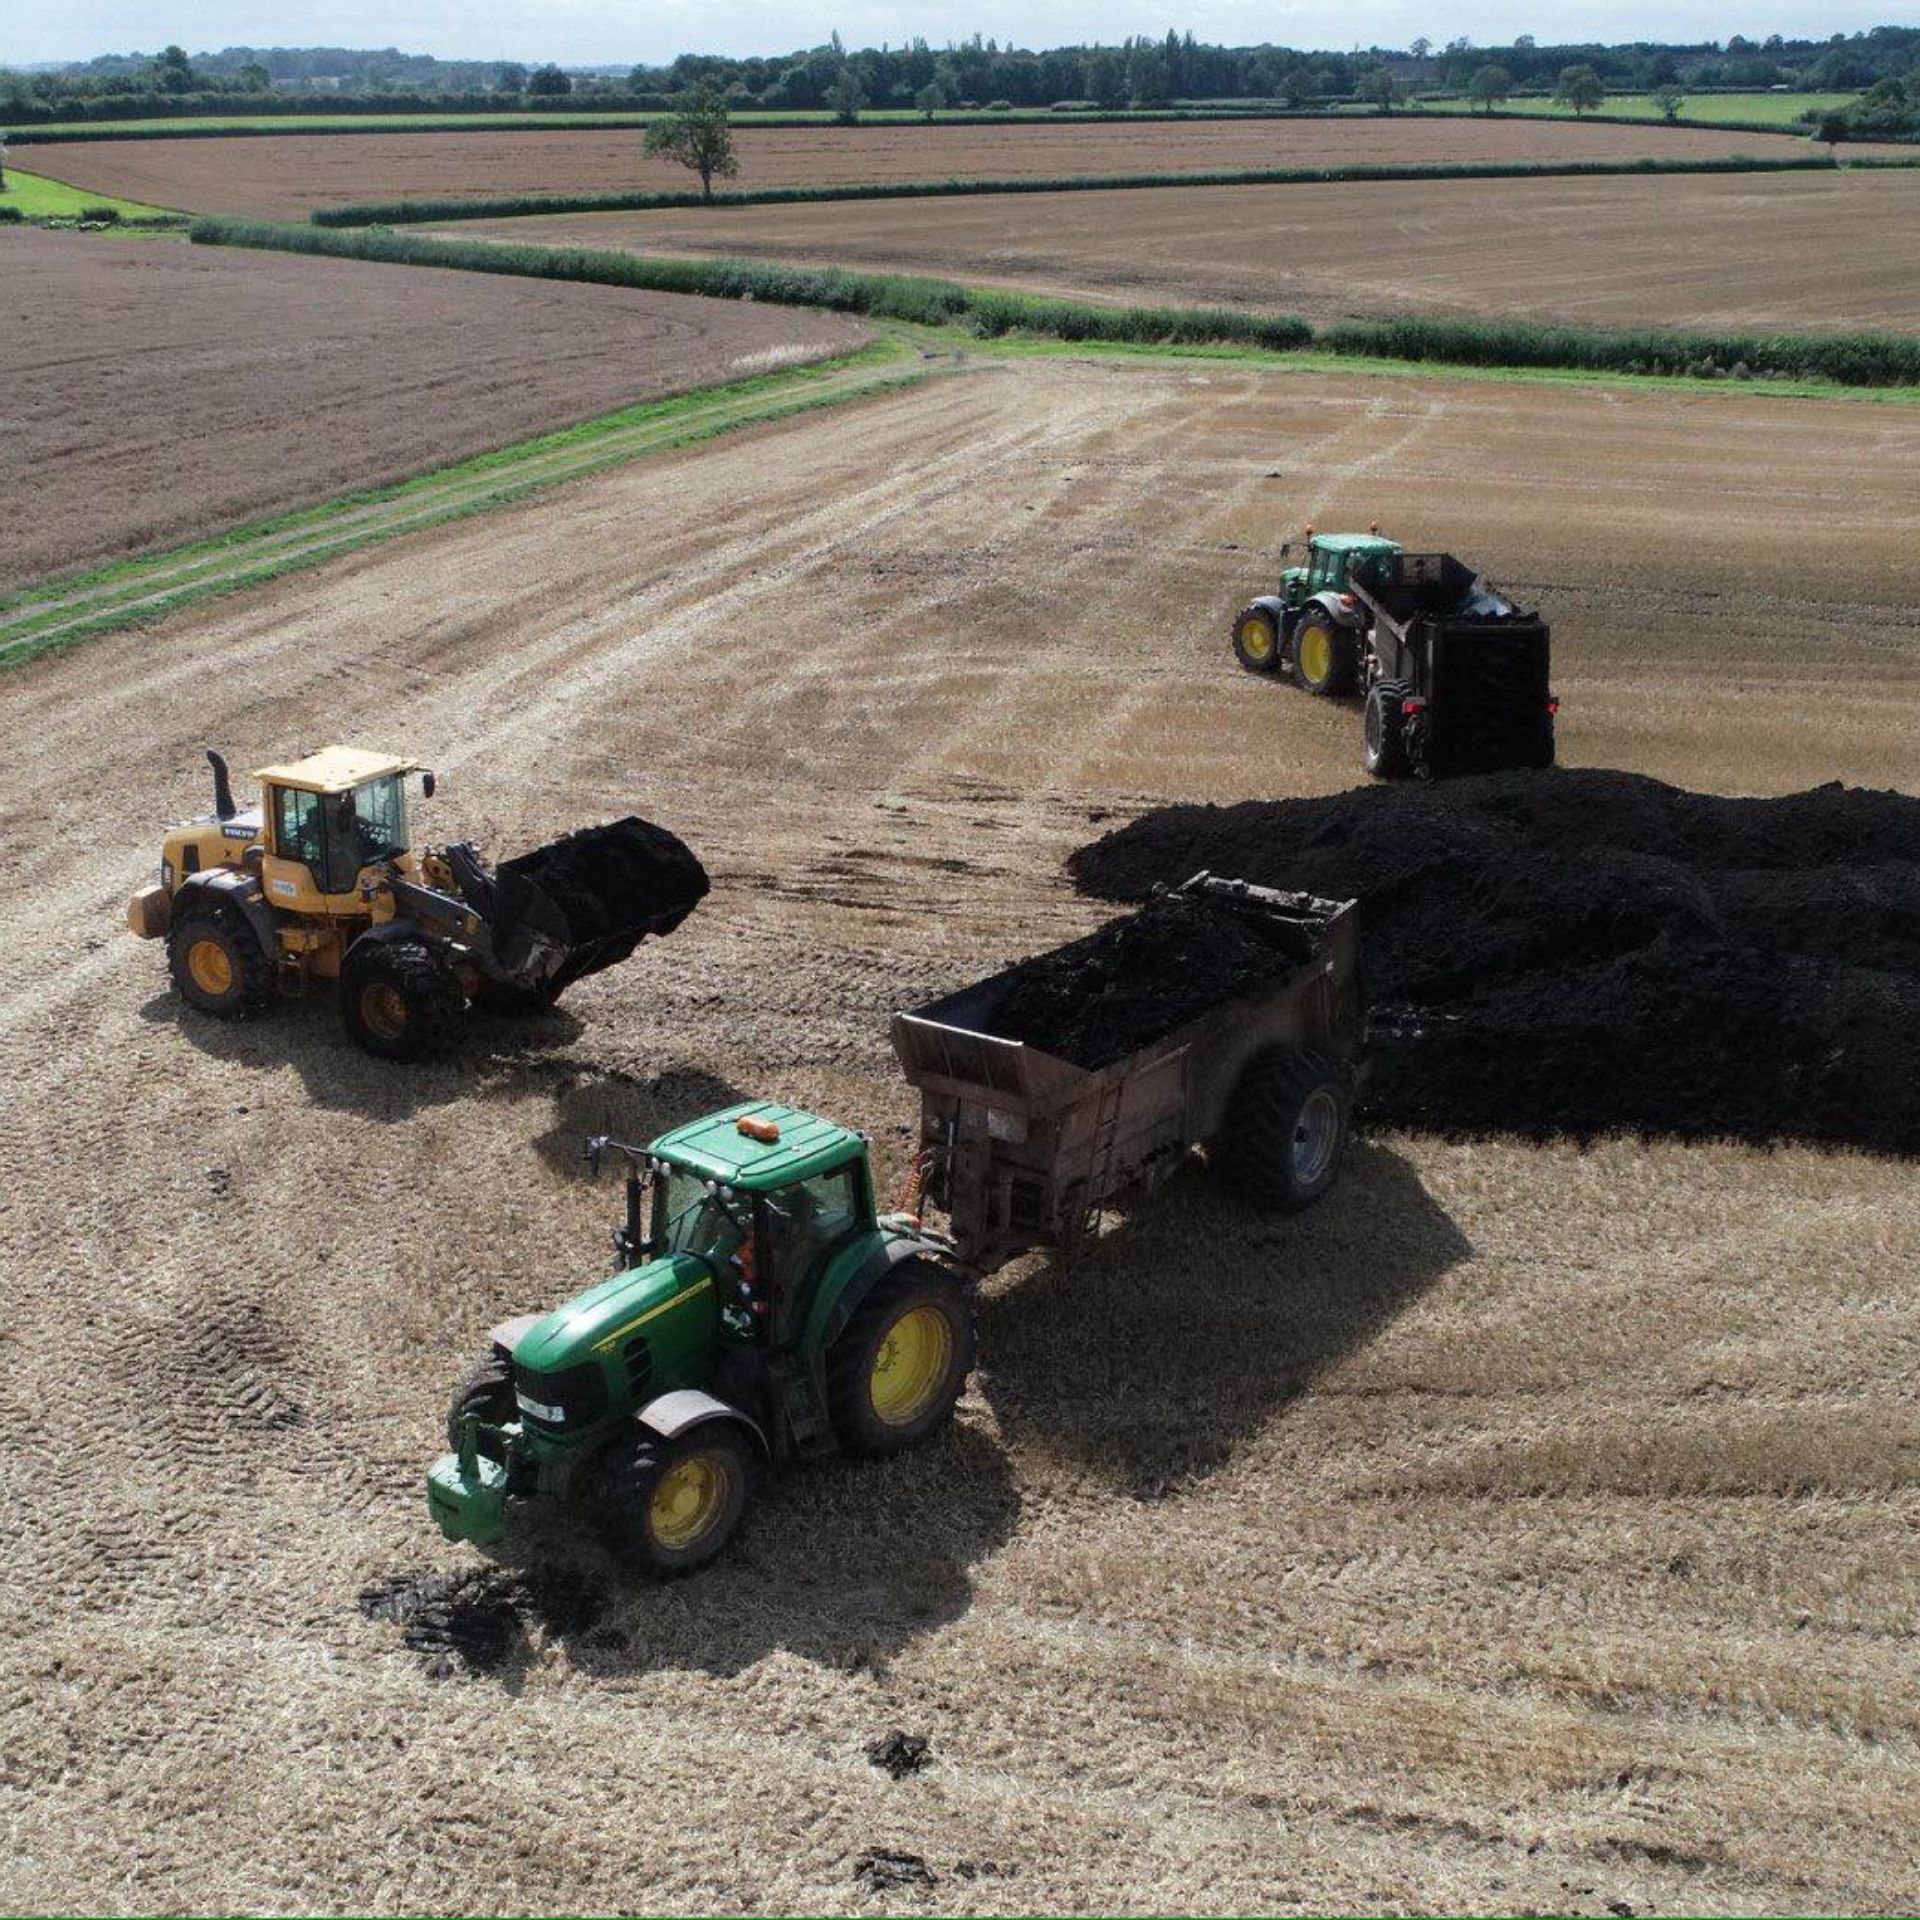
[843, 1563]
[1189, 1326]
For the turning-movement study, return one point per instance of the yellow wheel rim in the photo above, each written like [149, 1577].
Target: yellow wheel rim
[690, 1500]
[912, 1365]
[384, 1011]
[210, 967]
[1256, 639]
[1316, 654]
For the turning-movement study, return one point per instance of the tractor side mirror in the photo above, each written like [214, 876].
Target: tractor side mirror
[427, 782]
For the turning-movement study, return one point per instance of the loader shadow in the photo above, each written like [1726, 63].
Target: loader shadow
[627, 1108]
[1189, 1326]
[844, 1563]
[337, 1075]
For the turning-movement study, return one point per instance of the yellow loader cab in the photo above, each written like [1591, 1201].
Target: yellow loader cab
[320, 882]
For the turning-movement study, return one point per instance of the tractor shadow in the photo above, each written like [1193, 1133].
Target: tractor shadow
[627, 1108]
[1188, 1327]
[841, 1562]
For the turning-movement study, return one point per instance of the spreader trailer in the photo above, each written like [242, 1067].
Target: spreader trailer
[763, 1309]
[1021, 1148]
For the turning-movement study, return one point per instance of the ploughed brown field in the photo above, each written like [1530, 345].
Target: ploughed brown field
[1521, 1529]
[290, 174]
[157, 391]
[1812, 253]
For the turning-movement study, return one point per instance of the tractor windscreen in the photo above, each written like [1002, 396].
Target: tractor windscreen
[689, 1219]
[583, 903]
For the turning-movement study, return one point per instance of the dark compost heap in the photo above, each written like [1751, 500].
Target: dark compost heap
[1139, 978]
[1581, 951]
[604, 882]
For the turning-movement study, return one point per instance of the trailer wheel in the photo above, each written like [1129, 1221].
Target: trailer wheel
[902, 1362]
[1384, 729]
[1326, 656]
[1256, 640]
[217, 963]
[398, 1001]
[671, 1506]
[486, 1392]
[1286, 1129]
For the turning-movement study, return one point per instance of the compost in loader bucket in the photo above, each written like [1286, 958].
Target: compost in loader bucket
[583, 903]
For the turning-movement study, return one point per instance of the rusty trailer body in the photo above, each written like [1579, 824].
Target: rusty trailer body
[1023, 1149]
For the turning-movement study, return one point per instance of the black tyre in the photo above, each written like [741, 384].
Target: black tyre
[1542, 755]
[670, 1507]
[1326, 655]
[902, 1361]
[399, 1001]
[218, 964]
[1256, 639]
[1286, 1129]
[1384, 730]
[486, 1392]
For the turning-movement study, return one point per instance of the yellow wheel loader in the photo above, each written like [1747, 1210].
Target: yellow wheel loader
[320, 881]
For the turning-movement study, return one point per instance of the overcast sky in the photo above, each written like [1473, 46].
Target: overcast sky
[589, 32]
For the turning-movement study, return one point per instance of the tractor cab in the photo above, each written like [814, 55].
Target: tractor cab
[1325, 559]
[763, 1192]
[328, 817]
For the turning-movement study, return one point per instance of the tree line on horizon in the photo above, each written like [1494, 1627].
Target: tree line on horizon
[1141, 71]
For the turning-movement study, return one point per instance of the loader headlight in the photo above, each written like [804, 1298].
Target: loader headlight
[166, 874]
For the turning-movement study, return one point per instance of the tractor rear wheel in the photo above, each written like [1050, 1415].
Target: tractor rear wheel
[486, 1392]
[1384, 729]
[671, 1506]
[1326, 657]
[1286, 1129]
[902, 1362]
[398, 1000]
[218, 964]
[1256, 640]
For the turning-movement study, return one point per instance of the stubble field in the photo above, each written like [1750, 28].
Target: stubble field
[1523, 1528]
[156, 391]
[288, 175]
[1813, 253]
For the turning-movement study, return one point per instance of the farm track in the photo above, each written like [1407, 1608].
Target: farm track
[1524, 1528]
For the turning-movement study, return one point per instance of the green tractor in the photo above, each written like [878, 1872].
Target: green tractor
[760, 1310]
[1315, 627]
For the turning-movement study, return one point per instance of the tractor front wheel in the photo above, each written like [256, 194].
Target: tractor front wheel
[486, 1393]
[1286, 1129]
[1384, 729]
[218, 964]
[399, 1002]
[1256, 640]
[1326, 659]
[895, 1373]
[671, 1506]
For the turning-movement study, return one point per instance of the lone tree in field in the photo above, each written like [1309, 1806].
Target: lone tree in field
[1489, 86]
[1832, 127]
[1669, 100]
[1580, 89]
[697, 135]
[930, 99]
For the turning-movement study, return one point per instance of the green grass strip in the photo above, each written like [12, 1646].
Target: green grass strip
[369, 213]
[34, 197]
[1852, 360]
[54, 614]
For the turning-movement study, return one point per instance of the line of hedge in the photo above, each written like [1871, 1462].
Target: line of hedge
[515, 206]
[1855, 360]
